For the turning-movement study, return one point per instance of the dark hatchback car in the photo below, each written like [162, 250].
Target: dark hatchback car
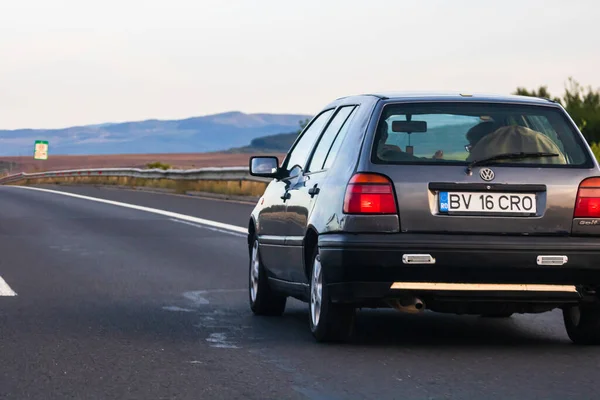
[466, 204]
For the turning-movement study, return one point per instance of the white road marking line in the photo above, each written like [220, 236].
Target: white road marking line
[187, 196]
[227, 228]
[5, 290]
[209, 228]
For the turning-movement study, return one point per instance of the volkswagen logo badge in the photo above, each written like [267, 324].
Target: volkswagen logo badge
[487, 174]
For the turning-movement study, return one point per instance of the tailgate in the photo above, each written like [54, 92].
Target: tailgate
[526, 163]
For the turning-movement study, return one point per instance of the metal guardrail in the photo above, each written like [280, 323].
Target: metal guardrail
[219, 174]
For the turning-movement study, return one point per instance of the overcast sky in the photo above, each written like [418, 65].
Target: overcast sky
[68, 62]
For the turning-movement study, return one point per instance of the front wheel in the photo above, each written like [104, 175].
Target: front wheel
[263, 300]
[329, 322]
[583, 324]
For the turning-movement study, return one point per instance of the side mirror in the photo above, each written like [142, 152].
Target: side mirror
[266, 167]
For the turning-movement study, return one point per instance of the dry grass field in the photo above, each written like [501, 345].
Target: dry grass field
[183, 161]
[228, 188]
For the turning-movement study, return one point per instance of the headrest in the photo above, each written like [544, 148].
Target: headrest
[516, 139]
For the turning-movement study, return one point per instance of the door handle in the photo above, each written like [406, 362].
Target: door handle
[286, 196]
[313, 191]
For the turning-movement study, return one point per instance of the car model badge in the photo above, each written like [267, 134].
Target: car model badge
[487, 174]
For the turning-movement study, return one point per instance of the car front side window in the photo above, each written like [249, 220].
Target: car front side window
[297, 158]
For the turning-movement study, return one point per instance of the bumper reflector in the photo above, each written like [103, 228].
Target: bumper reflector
[552, 260]
[418, 259]
[483, 287]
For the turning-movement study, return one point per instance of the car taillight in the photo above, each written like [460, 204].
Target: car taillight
[369, 194]
[588, 199]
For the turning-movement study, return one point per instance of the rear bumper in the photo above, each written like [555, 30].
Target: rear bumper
[366, 266]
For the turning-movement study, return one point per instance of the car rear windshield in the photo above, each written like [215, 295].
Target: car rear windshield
[460, 133]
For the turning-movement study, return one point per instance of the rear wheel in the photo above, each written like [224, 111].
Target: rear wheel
[329, 322]
[263, 300]
[583, 324]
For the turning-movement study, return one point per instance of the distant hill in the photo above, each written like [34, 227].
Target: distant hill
[209, 133]
[280, 143]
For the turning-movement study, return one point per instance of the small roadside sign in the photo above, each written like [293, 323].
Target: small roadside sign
[40, 151]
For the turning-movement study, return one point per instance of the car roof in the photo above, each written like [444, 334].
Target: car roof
[455, 96]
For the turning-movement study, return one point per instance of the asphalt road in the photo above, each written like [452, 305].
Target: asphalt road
[117, 303]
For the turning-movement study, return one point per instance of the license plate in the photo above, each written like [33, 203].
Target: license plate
[487, 203]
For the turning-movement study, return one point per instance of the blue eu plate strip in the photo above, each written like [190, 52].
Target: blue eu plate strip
[443, 201]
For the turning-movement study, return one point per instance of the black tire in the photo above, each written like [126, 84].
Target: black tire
[263, 300]
[583, 324]
[335, 322]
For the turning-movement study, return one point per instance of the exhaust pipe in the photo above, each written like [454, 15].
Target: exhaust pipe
[412, 305]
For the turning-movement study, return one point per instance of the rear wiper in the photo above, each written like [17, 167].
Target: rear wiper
[507, 156]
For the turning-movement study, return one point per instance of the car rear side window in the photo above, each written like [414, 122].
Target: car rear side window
[329, 136]
[299, 154]
[337, 143]
[460, 133]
